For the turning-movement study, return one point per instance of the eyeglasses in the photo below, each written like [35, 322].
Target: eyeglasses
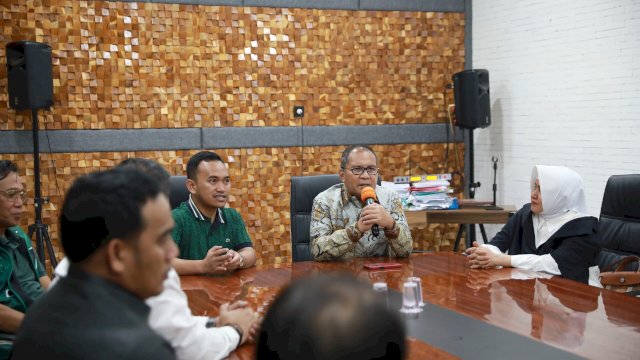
[14, 194]
[371, 170]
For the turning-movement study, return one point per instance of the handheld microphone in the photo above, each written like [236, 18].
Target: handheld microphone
[368, 196]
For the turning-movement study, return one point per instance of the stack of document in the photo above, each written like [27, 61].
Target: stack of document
[433, 194]
[403, 190]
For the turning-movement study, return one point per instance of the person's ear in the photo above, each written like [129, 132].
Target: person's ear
[341, 174]
[118, 255]
[191, 186]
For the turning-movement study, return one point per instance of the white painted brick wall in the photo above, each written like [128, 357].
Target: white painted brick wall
[565, 90]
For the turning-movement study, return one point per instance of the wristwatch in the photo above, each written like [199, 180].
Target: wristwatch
[238, 329]
[211, 322]
[393, 231]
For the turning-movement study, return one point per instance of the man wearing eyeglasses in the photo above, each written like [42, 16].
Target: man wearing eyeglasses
[22, 277]
[341, 224]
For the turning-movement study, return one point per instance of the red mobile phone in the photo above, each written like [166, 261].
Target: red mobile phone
[382, 265]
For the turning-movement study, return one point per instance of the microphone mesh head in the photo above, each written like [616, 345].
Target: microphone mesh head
[368, 193]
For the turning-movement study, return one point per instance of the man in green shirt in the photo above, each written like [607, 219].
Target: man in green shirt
[22, 277]
[212, 239]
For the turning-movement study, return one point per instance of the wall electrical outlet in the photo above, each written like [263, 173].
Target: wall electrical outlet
[298, 111]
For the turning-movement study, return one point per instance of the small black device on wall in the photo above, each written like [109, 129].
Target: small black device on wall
[29, 75]
[471, 93]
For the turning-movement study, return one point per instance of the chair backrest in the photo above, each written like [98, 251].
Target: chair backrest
[178, 193]
[303, 190]
[619, 226]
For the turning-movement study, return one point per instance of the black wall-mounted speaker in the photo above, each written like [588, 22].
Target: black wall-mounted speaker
[29, 74]
[471, 93]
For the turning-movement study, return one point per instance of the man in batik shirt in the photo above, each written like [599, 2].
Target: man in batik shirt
[341, 224]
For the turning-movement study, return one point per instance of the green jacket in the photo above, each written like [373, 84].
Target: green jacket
[8, 296]
[28, 274]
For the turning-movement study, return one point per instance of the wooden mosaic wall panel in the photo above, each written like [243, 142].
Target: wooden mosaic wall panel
[156, 65]
[260, 185]
[152, 65]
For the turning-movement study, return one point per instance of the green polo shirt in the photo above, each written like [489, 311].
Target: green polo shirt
[195, 234]
[27, 270]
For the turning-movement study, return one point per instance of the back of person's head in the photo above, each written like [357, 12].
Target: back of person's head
[102, 206]
[7, 167]
[195, 160]
[333, 316]
[151, 168]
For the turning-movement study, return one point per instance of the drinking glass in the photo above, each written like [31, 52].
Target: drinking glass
[410, 298]
[418, 282]
[380, 288]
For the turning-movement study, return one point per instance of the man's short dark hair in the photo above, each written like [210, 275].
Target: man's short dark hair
[195, 160]
[7, 167]
[151, 168]
[331, 317]
[349, 150]
[102, 206]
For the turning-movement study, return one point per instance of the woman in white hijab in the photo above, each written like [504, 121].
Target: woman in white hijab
[552, 234]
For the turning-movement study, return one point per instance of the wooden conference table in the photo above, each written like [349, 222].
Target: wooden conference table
[469, 313]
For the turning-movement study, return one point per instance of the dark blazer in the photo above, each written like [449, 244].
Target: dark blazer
[573, 246]
[88, 317]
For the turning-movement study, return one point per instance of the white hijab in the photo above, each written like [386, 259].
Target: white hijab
[563, 200]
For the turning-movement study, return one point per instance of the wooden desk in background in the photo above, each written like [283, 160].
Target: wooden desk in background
[464, 215]
[469, 313]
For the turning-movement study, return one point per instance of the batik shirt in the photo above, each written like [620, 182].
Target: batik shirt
[335, 236]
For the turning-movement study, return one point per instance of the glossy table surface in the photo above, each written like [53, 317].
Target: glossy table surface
[566, 315]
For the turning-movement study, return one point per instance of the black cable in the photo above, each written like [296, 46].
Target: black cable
[446, 144]
[53, 162]
[451, 133]
[302, 146]
[448, 138]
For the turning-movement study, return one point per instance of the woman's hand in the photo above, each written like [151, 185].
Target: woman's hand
[483, 258]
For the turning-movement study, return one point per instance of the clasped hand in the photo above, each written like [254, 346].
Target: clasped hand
[483, 258]
[221, 260]
[374, 214]
[241, 314]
